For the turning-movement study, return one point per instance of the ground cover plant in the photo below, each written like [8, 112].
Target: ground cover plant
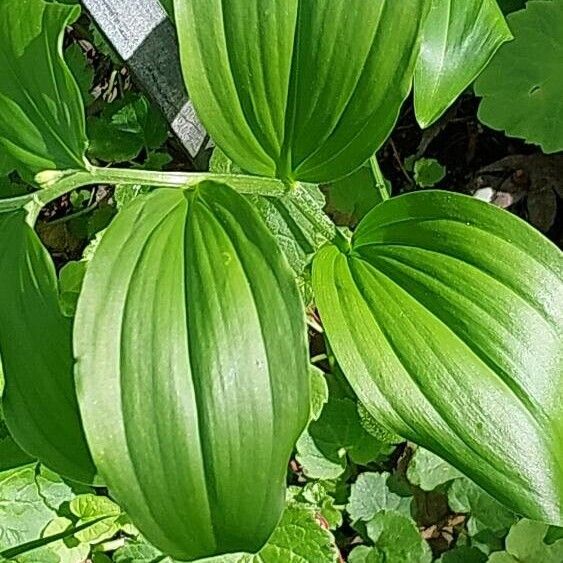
[220, 363]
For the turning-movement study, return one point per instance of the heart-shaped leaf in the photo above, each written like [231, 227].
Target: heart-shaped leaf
[447, 318]
[459, 38]
[280, 94]
[192, 369]
[41, 112]
[522, 87]
[39, 403]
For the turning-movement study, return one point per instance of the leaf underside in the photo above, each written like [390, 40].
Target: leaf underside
[447, 319]
[277, 92]
[39, 403]
[192, 369]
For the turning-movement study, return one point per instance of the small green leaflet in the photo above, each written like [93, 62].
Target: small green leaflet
[278, 97]
[197, 323]
[428, 471]
[446, 316]
[396, 538]
[41, 111]
[522, 86]
[459, 38]
[525, 543]
[488, 521]
[39, 402]
[370, 495]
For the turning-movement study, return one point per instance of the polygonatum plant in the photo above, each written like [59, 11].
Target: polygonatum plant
[189, 343]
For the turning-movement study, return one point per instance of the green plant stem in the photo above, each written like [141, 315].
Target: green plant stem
[379, 179]
[56, 183]
[13, 552]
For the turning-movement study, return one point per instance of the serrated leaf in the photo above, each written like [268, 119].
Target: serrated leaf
[289, 218]
[429, 471]
[459, 38]
[335, 436]
[397, 538]
[275, 94]
[365, 554]
[521, 87]
[370, 495]
[204, 337]
[39, 402]
[58, 551]
[447, 319]
[90, 507]
[487, 518]
[525, 542]
[28, 502]
[41, 112]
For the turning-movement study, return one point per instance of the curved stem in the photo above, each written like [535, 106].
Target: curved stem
[379, 179]
[13, 552]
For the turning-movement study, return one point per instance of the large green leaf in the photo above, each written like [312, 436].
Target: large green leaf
[459, 39]
[278, 93]
[192, 369]
[41, 112]
[522, 86]
[447, 318]
[39, 403]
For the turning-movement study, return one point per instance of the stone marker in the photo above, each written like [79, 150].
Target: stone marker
[144, 37]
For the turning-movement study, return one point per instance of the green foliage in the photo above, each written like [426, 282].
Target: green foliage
[478, 317]
[428, 172]
[190, 337]
[370, 495]
[352, 197]
[460, 37]
[489, 521]
[525, 542]
[521, 88]
[312, 113]
[30, 499]
[396, 538]
[39, 404]
[204, 244]
[428, 471]
[336, 437]
[41, 113]
[124, 128]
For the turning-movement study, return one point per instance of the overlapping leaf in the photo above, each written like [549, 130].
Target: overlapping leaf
[447, 318]
[192, 369]
[299, 89]
[39, 403]
[459, 39]
[41, 111]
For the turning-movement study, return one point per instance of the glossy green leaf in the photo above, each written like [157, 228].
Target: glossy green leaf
[39, 403]
[522, 87]
[447, 318]
[41, 111]
[459, 38]
[278, 94]
[192, 369]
